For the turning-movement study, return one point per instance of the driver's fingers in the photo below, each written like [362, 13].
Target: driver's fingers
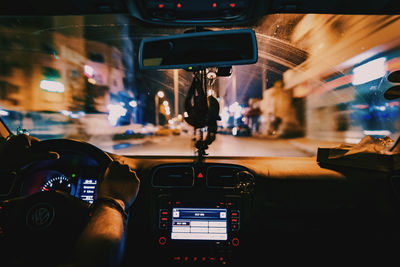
[114, 164]
[20, 142]
[116, 169]
[23, 143]
[31, 157]
[117, 166]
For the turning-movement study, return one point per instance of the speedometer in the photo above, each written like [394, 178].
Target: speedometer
[60, 183]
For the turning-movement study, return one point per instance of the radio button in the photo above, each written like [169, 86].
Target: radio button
[163, 219]
[163, 225]
[162, 241]
[164, 213]
[235, 213]
[177, 259]
[235, 241]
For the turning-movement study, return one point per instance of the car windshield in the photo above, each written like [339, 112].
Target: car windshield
[319, 81]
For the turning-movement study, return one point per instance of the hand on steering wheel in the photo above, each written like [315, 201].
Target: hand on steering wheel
[16, 152]
[119, 183]
[68, 215]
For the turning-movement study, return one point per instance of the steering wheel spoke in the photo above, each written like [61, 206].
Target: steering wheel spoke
[46, 221]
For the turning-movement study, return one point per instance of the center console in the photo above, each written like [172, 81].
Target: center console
[200, 211]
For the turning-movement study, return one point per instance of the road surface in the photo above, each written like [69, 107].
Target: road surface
[224, 145]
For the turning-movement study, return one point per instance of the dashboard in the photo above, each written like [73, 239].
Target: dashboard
[238, 210]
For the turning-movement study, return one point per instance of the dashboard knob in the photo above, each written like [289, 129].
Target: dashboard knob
[235, 241]
[162, 241]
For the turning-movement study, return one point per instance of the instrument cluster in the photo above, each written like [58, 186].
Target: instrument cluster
[73, 183]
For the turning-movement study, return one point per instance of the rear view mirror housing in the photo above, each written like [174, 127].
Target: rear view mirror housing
[199, 50]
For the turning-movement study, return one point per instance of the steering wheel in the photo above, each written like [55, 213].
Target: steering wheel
[47, 224]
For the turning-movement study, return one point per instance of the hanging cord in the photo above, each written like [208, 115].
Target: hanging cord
[202, 112]
[196, 103]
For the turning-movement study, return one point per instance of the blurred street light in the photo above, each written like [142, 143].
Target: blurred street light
[236, 109]
[52, 86]
[160, 94]
[369, 71]
[88, 70]
[133, 103]
[4, 112]
[167, 107]
[115, 111]
[92, 81]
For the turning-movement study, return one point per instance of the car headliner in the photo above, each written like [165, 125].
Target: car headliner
[82, 7]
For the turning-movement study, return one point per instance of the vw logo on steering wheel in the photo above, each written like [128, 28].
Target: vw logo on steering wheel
[40, 216]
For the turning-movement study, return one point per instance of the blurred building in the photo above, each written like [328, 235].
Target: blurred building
[279, 113]
[56, 70]
[105, 73]
[276, 55]
[343, 81]
[252, 115]
[333, 69]
[53, 71]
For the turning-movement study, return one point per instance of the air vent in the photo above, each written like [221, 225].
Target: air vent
[173, 176]
[222, 176]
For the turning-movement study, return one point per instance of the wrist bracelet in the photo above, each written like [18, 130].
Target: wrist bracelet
[110, 202]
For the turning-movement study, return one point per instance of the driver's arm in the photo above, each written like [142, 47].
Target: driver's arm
[102, 241]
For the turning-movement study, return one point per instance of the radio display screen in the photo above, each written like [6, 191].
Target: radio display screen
[199, 224]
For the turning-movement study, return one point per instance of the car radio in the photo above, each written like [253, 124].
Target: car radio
[199, 211]
[199, 224]
[211, 228]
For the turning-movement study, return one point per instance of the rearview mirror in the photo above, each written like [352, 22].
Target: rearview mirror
[199, 50]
